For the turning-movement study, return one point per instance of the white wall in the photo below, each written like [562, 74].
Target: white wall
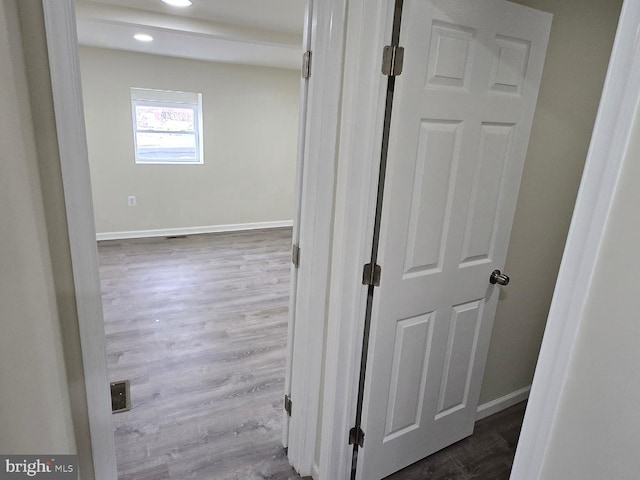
[582, 35]
[35, 413]
[250, 133]
[596, 431]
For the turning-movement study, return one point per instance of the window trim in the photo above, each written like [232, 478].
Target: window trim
[162, 98]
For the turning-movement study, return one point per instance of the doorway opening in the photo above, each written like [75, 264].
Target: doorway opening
[192, 118]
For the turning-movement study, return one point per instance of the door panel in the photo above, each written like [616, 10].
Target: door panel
[481, 226]
[413, 337]
[438, 146]
[463, 110]
[464, 328]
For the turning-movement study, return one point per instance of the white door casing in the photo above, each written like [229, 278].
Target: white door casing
[295, 235]
[321, 142]
[463, 110]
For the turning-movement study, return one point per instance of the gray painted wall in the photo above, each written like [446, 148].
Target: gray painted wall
[596, 431]
[580, 45]
[250, 135]
[36, 414]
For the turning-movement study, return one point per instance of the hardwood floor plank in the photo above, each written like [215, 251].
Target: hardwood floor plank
[486, 455]
[199, 327]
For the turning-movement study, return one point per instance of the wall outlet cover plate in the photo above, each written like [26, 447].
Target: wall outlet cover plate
[120, 397]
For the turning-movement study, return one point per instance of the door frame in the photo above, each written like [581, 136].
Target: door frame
[315, 229]
[60, 29]
[368, 29]
[295, 236]
[316, 226]
[369, 26]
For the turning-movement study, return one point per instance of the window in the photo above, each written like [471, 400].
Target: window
[167, 126]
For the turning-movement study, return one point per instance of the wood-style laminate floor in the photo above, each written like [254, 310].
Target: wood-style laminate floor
[199, 327]
[486, 455]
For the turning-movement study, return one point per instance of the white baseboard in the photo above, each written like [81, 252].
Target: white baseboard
[315, 471]
[171, 232]
[502, 403]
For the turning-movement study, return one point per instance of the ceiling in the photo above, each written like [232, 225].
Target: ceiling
[252, 32]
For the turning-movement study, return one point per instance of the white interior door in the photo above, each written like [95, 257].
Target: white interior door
[460, 126]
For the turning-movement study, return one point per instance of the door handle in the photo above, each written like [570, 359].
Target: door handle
[498, 277]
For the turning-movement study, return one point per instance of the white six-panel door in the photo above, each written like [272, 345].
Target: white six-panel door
[462, 115]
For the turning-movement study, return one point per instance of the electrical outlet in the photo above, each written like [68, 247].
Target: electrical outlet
[131, 200]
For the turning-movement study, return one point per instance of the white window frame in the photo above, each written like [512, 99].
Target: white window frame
[172, 99]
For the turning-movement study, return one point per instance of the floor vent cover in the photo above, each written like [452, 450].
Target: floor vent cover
[120, 397]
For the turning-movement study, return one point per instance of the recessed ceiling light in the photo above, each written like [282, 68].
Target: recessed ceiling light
[178, 3]
[143, 37]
